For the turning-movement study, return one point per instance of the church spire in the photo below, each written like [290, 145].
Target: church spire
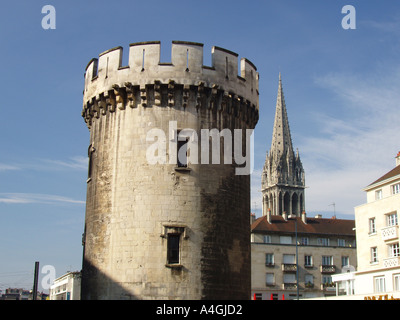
[282, 180]
[281, 138]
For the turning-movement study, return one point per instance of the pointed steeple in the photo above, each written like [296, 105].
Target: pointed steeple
[282, 180]
[281, 138]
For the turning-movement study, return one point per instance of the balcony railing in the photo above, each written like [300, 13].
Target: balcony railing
[390, 233]
[391, 262]
[327, 268]
[289, 267]
[289, 286]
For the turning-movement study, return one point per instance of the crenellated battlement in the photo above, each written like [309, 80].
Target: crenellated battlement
[146, 81]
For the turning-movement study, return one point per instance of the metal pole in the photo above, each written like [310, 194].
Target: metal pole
[297, 260]
[35, 281]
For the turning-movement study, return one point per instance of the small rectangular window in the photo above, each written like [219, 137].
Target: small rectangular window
[345, 261]
[269, 259]
[327, 260]
[374, 255]
[372, 228]
[391, 219]
[323, 242]
[396, 188]
[378, 194]
[308, 262]
[304, 241]
[173, 248]
[380, 285]
[267, 239]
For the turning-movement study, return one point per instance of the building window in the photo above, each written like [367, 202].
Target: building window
[323, 242]
[379, 284]
[91, 149]
[285, 240]
[374, 255]
[267, 239]
[269, 279]
[269, 259]
[326, 280]
[394, 250]
[391, 219]
[308, 261]
[396, 188]
[289, 258]
[174, 236]
[372, 227]
[378, 194]
[308, 280]
[258, 296]
[304, 241]
[327, 260]
[396, 282]
[345, 261]
[289, 278]
[182, 154]
[341, 243]
[173, 248]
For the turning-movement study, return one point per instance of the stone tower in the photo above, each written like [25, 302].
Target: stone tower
[282, 182]
[168, 200]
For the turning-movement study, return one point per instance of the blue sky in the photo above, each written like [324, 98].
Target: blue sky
[341, 89]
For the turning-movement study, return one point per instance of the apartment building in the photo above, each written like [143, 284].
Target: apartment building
[67, 287]
[296, 256]
[377, 233]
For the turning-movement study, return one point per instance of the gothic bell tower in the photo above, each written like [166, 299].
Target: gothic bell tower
[283, 180]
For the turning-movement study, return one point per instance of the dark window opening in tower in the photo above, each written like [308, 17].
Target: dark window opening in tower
[173, 248]
[182, 153]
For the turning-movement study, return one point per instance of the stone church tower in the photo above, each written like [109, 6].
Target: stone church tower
[167, 208]
[282, 182]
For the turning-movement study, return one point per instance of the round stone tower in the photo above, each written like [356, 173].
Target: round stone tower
[168, 189]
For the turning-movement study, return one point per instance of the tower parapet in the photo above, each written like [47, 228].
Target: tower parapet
[109, 86]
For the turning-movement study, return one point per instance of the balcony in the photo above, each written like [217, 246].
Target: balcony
[289, 267]
[327, 268]
[328, 287]
[390, 233]
[289, 286]
[391, 262]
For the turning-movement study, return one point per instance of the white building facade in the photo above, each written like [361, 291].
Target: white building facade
[377, 233]
[66, 287]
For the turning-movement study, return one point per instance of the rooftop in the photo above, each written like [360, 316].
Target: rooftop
[391, 174]
[331, 226]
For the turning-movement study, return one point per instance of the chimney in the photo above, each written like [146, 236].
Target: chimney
[269, 215]
[304, 217]
[398, 159]
[252, 218]
[284, 215]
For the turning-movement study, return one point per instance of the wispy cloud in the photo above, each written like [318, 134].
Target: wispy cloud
[78, 162]
[7, 167]
[35, 198]
[74, 163]
[357, 144]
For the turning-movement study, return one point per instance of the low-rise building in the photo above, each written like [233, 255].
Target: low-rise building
[66, 287]
[296, 256]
